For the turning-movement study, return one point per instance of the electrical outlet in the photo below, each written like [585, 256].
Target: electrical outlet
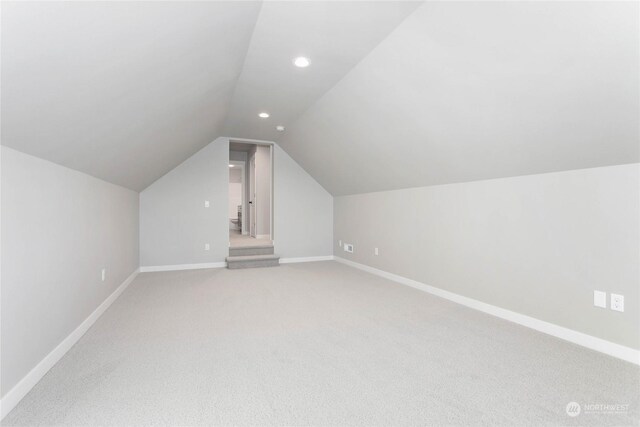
[340, 243]
[104, 274]
[375, 251]
[617, 302]
[207, 246]
[348, 247]
[206, 203]
[600, 299]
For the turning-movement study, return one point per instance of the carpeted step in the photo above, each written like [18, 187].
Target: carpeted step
[253, 261]
[251, 250]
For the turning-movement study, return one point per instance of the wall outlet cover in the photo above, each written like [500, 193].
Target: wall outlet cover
[617, 302]
[375, 251]
[104, 274]
[207, 246]
[206, 203]
[348, 247]
[600, 299]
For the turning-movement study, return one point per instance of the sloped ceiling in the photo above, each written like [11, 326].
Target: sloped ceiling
[335, 36]
[464, 91]
[123, 91]
[398, 94]
[126, 91]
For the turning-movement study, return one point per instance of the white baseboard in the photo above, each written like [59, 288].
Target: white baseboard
[20, 390]
[177, 267]
[263, 236]
[149, 269]
[306, 259]
[598, 344]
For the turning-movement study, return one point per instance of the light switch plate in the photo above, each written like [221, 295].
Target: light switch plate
[375, 251]
[207, 246]
[600, 299]
[617, 302]
[206, 203]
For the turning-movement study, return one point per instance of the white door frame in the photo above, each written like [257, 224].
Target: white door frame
[270, 144]
[241, 165]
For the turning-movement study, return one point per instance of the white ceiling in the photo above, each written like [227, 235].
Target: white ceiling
[464, 91]
[334, 35]
[125, 91]
[398, 94]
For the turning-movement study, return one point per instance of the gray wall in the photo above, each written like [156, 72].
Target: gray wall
[537, 245]
[175, 225]
[240, 156]
[60, 227]
[303, 210]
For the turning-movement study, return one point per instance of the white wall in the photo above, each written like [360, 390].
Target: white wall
[174, 225]
[538, 245]
[235, 199]
[235, 190]
[235, 175]
[60, 227]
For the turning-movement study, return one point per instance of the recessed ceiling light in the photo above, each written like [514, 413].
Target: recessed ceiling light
[280, 128]
[263, 115]
[301, 62]
[231, 166]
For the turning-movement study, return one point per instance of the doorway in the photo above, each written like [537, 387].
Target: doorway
[252, 197]
[237, 207]
[250, 194]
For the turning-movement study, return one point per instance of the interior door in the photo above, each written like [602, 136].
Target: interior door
[252, 196]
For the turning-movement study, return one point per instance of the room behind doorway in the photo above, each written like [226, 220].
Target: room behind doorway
[250, 195]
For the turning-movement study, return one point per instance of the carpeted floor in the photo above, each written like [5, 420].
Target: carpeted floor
[317, 344]
[237, 240]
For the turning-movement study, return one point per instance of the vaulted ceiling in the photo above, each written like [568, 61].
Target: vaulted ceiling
[123, 91]
[334, 35]
[398, 94]
[465, 91]
[126, 91]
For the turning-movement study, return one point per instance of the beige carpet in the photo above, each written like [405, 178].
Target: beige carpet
[317, 344]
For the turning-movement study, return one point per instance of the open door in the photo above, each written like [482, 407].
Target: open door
[256, 213]
[252, 196]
